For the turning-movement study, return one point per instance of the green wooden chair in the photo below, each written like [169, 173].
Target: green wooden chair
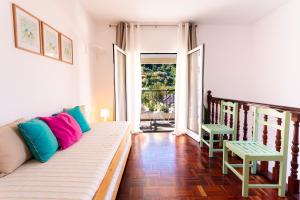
[220, 129]
[252, 151]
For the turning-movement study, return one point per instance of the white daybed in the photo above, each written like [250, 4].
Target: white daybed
[90, 169]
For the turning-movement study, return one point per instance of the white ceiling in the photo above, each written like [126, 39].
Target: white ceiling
[173, 11]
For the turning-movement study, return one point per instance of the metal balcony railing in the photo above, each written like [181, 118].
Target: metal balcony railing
[158, 109]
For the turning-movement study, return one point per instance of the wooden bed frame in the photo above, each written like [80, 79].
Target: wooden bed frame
[115, 162]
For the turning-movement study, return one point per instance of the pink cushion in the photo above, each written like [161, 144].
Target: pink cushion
[66, 130]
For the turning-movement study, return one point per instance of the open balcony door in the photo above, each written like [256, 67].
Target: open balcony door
[195, 91]
[120, 93]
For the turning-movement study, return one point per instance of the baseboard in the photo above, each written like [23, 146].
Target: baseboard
[193, 135]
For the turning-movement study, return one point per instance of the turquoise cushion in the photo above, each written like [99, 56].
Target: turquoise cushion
[79, 117]
[39, 138]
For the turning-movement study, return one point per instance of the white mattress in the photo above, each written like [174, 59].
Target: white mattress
[73, 174]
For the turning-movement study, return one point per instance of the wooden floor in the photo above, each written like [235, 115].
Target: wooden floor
[162, 166]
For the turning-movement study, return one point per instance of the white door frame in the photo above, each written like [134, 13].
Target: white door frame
[117, 49]
[191, 133]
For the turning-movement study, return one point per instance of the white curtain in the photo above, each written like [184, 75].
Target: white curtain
[133, 76]
[181, 84]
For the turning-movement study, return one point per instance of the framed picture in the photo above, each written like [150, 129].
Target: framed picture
[50, 41]
[66, 49]
[26, 30]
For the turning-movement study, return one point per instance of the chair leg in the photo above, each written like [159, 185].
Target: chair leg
[245, 180]
[254, 167]
[232, 154]
[225, 157]
[211, 145]
[233, 139]
[282, 179]
[201, 138]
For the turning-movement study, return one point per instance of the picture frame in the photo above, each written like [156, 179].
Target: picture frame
[66, 45]
[27, 30]
[50, 41]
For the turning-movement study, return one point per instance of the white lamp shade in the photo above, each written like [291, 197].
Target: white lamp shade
[104, 113]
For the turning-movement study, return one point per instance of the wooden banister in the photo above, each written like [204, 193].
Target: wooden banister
[245, 128]
[274, 106]
[238, 123]
[209, 97]
[225, 122]
[275, 173]
[293, 180]
[217, 113]
[231, 122]
[213, 111]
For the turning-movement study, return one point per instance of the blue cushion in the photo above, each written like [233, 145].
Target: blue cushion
[39, 138]
[79, 117]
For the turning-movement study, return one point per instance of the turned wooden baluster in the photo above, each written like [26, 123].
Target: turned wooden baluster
[245, 128]
[275, 173]
[213, 111]
[209, 97]
[225, 122]
[264, 164]
[238, 123]
[225, 116]
[220, 110]
[231, 122]
[293, 181]
[217, 113]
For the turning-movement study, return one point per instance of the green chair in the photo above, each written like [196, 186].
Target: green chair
[220, 129]
[252, 151]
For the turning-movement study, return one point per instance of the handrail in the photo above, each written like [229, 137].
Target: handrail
[150, 98]
[277, 107]
[157, 90]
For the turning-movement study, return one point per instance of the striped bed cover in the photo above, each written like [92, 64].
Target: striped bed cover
[73, 174]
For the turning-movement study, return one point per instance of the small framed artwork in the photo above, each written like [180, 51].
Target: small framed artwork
[26, 30]
[66, 49]
[50, 42]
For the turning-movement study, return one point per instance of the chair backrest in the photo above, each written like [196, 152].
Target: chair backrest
[229, 108]
[284, 127]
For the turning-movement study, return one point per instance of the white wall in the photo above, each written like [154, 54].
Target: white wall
[276, 65]
[255, 62]
[159, 39]
[32, 85]
[227, 55]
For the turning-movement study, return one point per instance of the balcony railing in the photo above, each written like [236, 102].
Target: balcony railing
[157, 109]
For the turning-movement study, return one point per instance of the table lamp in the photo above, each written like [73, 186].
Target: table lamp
[104, 113]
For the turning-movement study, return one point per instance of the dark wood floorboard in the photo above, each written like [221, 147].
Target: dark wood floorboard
[163, 166]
